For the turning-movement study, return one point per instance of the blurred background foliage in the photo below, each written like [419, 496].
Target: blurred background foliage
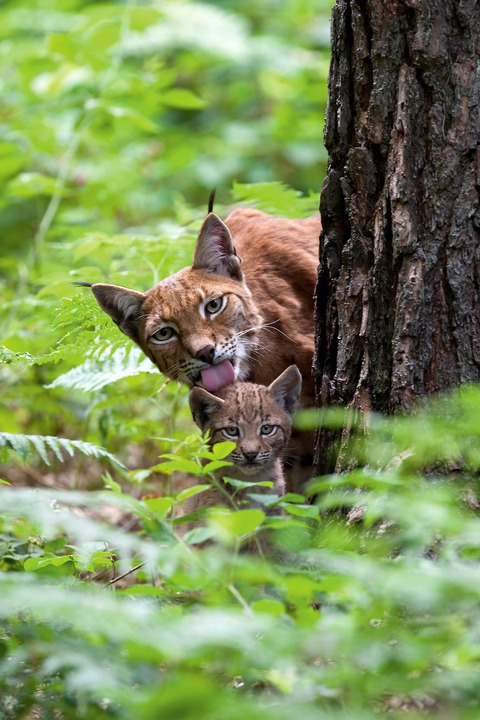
[117, 119]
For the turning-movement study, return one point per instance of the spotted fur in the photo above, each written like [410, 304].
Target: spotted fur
[259, 420]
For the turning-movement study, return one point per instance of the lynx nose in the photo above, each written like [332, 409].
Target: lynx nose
[206, 353]
[250, 455]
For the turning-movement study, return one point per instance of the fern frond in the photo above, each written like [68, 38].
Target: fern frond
[8, 357]
[53, 511]
[83, 324]
[276, 198]
[25, 445]
[103, 369]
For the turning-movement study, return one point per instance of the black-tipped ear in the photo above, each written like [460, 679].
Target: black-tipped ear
[286, 389]
[123, 305]
[215, 252]
[203, 405]
[211, 200]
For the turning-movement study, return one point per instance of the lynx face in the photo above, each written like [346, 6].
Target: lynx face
[255, 417]
[222, 320]
[199, 325]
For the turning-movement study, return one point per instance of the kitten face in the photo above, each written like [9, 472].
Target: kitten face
[257, 418]
[202, 319]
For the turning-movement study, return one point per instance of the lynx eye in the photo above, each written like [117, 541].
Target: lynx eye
[216, 305]
[163, 335]
[231, 432]
[267, 429]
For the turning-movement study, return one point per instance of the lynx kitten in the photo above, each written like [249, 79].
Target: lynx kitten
[258, 419]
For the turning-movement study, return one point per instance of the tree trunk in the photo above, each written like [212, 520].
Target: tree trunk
[397, 303]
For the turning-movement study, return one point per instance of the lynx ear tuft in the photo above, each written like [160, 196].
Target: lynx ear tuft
[211, 200]
[215, 252]
[123, 306]
[286, 389]
[203, 405]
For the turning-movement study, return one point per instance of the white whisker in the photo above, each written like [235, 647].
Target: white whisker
[265, 326]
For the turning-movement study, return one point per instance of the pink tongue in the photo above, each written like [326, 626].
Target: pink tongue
[217, 376]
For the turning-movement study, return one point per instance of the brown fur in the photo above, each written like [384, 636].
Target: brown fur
[260, 419]
[267, 323]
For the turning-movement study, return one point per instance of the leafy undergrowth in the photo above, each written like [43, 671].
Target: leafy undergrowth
[341, 619]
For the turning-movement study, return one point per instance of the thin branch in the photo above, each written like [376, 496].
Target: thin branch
[129, 572]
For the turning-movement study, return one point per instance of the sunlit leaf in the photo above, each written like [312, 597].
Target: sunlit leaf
[28, 185]
[215, 465]
[191, 492]
[159, 505]
[181, 465]
[269, 605]
[231, 525]
[183, 99]
[222, 449]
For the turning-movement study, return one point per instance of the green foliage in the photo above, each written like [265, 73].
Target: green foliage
[276, 199]
[113, 114]
[345, 619]
[24, 445]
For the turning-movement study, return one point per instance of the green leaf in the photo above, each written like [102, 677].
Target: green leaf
[222, 449]
[37, 563]
[62, 44]
[183, 99]
[334, 418]
[268, 605]
[28, 185]
[12, 159]
[180, 465]
[159, 505]
[55, 545]
[293, 498]
[263, 499]
[136, 118]
[310, 511]
[111, 484]
[198, 535]
[241, 484]
[215, 465]
[231, 525]
[143, 591]
[190, 492]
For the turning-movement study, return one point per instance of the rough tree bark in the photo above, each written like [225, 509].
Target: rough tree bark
[397, 303]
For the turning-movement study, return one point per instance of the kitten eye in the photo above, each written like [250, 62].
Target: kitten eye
[163, 335]
[216, 305]
[267, 429]
[231, 432]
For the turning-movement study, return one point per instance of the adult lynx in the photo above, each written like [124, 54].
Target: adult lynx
[229, 316]
[258, 419]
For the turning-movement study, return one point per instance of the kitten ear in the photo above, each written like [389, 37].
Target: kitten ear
[203, 405]
[286, 389]
[215, 252]
[123, 306]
